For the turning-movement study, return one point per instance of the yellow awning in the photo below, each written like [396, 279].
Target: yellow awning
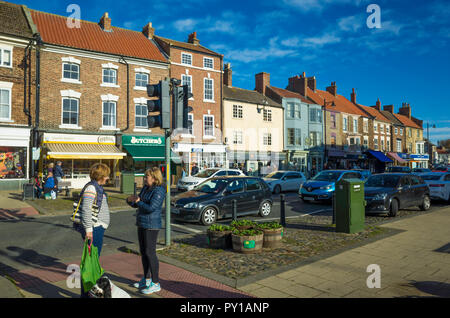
[83, 151]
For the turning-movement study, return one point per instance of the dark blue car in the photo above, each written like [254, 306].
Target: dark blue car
[322, 186]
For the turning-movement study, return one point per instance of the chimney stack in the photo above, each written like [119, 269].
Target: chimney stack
[228, 75]
[105, 22]
[389, 108]
[312, 84]
[193, 38]
[332, 89]
[262, 80]
[353, 96]
[149, 31]
[378, 105]
[405, 110]
[298, 84]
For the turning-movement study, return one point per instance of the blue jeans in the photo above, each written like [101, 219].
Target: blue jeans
[98, 234]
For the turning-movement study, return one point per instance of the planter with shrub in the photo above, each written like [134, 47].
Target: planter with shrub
[244, 224]
[247, 241]
[273, 234]
[219, 236]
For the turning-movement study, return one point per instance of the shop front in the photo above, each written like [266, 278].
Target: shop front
[145, 152]
[398, 161]
[14, 157]
[78, 153]
[335, 159]
[203, 155]
[315, 162]
[255, 163]
[419, 161]
[297, 161]
[378, 161]
[357, 161]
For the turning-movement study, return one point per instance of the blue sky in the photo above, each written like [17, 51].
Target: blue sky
[406, 60]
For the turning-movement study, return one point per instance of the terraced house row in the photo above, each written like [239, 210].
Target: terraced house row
[78, 95]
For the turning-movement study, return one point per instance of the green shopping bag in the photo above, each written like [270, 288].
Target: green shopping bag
[90, 268]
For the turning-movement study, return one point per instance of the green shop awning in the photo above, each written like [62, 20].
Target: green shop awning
[147, 148]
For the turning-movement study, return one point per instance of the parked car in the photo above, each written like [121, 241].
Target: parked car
[420, 170]
[398, 169]
[213, 199]
[442, 168]
[279, 181]
[190, 182]
[365, 173]
[389, 192]
[439, 184]
[322, 186]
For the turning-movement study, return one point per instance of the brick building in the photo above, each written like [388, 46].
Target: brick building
[398, 137]
[200, 69]
[93, 97]
[17, 87]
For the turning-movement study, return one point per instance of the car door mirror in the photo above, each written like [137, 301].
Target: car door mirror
[227, 192]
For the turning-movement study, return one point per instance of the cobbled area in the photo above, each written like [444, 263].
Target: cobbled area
[303, 238]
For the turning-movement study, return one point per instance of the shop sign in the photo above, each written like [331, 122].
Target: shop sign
[419, 157]
[143, 140]
[79, 139]
[36, 153]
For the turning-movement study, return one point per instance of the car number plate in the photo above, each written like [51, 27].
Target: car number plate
[308, 198]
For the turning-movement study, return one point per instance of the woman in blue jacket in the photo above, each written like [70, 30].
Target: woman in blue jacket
[148, 220]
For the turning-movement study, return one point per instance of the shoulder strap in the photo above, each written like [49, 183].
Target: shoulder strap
[79, 200]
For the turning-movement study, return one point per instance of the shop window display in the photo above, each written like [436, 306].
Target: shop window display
[13, 162]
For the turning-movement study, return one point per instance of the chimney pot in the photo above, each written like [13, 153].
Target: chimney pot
[228, 75]
[193, 38]
[332, 89]
[262, 80]
[312, 84]
[298, 84]
[149, 31]
[353, 96]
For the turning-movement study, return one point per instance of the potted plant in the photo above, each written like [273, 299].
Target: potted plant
[243, 224]
[247, 241]
[219, 236]
[273, 234]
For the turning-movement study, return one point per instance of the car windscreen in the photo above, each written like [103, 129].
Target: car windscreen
[382, 181]
[431, 177]
[206, 173]
[397, 169]
[211, 186]
[275, 175]
[327, 176]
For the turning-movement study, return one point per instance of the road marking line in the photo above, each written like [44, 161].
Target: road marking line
[187, 228]
[316, 212]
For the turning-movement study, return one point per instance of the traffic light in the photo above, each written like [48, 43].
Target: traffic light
[162, 105]
[181, 96]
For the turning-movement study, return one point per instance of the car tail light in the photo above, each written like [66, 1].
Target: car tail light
[437, 185]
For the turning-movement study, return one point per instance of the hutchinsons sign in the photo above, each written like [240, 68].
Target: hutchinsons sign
[143, 141]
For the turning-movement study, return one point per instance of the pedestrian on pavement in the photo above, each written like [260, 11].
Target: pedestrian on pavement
[38, 189]
[50, 185]
[148, 220]
[183, 173]
[50, 167]
[94, 199]
[194, 169]
[59, 173]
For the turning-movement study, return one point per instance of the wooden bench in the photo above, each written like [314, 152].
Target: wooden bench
[65, 185]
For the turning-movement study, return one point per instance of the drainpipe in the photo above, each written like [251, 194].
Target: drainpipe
[123, 61]
[38, 39]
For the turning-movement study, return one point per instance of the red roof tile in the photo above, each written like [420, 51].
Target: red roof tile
[375, 113]
[341, 103]
[289, 94]
[90, 36]
[406, 121]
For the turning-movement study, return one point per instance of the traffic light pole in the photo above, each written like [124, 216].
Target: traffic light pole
[168, 239]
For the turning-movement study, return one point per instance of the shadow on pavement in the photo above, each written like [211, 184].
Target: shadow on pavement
[437, 289]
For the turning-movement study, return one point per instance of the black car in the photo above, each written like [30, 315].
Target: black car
[389, 192]
[398, 169]
[213, 199]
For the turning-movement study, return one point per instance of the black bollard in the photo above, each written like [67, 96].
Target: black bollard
[234, 210]
[283, 210]
[334, 208]
[135, 188]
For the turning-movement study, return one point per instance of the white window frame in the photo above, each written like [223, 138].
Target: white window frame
[71, 60]
[344, 123]
[376, 145]
[267, 139]
[388, 145]
[212, 90]
[191, 118]
[135, 116]
[183, 82]
[375, 127]
[239, 111]
[205, 136]
[186, 54]
[212, 63]
[365, 125]
[141, 88]
[237, 137]
[396, 130]
[267, 115]
[355, 125]
[399, 145]
[287, 136]
[401, 131]
[62, 113]
[109, 98]
[10, 49]
[297, 111]
[7, 86]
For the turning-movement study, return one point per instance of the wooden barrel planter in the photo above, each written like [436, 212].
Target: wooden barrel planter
[247, 244]
[219, 239]
[273, 237]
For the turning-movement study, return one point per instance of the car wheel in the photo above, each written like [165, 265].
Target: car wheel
[426, 204]
[277, 189]
[209, 216]
[394, 208]
[265, 209]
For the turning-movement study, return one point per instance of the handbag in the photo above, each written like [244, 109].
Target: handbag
[90, 269]
[76, 215]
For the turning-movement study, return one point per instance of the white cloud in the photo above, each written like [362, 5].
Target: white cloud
[352, 23]
[185, 24]
[317, 42]
[318, 5]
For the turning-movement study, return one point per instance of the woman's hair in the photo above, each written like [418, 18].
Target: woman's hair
[99, 171]
[156, 175]
[51, 165]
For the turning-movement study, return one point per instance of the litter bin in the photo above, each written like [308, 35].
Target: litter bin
[127, 182]
[28, 191]
[350, 206]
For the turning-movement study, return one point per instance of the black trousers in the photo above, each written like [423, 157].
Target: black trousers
[147, 246]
